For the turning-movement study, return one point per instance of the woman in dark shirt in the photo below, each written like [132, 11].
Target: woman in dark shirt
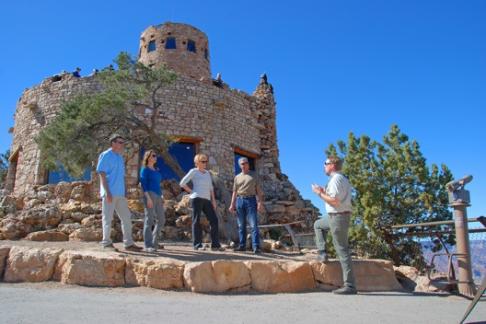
[150, 178]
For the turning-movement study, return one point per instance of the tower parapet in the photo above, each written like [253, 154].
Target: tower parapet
[183, 48]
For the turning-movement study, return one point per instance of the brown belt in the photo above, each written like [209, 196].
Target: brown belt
[245, 197]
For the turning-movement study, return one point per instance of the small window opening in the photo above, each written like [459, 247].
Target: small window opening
[170, 43]
[191, 46]
[151, 46]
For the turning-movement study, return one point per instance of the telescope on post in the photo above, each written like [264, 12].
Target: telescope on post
[459, 200]
[457, 193]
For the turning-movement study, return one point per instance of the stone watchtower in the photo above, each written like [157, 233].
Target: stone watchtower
[206, 116]
[183, 48]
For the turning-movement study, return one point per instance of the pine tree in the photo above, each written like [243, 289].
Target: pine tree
[392, 185]
[4, 167]
[80, 132]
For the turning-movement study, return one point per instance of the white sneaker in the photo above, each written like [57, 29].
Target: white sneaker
[149, 250]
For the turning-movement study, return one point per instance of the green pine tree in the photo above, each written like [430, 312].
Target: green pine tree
[4, 167]
[80, 132]
[392, 185]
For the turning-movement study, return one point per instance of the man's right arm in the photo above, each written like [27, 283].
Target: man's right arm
[232, 207]
[104, 183]
[101, 168]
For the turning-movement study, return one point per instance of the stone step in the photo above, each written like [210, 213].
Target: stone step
[170, 270]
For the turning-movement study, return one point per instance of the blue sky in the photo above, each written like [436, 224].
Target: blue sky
[336, 66]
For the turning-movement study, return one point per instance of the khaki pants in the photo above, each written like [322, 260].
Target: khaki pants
[120, 205]
[338, 225]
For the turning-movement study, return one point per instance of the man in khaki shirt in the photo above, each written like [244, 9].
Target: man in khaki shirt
[246, 201]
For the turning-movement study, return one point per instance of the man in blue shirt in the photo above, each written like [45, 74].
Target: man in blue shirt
[111, 169]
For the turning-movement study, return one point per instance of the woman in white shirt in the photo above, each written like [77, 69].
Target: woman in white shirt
[202, 200]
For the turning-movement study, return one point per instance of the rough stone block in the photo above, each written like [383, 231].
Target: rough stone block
[370, 274]
[154, 273]
[217, 276]
[51, 236]
[276, 277]
[32, 265]
[89, 268]
[86, 235]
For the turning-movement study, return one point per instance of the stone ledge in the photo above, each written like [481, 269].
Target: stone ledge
[176, 269]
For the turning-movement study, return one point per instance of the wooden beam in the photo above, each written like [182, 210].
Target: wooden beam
[244, 152]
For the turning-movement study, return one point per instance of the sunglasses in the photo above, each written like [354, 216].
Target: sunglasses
[328, 163]
[204, 161]
[153, 155]
[243, 163]
[120, 142]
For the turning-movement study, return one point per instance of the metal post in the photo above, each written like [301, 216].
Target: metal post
[459, 199]
[465, 284]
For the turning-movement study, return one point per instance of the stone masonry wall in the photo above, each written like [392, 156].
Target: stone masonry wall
[35, 109]
[221, 118]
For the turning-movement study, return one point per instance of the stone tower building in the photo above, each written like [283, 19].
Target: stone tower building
[181, 47]
[203, 112]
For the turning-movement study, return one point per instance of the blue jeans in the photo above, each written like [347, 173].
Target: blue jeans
[246, 209]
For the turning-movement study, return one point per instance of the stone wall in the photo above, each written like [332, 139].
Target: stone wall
[35, 109]
[221, 119]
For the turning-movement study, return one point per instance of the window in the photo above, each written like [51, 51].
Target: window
[206, 54]
[151, 46]
[250, 160]
[184, 154]
[170, 43]
[191, 46]
[56, 176]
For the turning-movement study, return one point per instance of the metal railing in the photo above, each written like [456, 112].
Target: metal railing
[474, 234]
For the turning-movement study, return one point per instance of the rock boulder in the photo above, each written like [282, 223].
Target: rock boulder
[277, 277]
[154, 273]
[217, 276]
[51, 236]
[30, 264]
[89, 268]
